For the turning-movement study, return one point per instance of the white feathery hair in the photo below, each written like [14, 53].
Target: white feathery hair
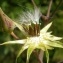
[28, 17]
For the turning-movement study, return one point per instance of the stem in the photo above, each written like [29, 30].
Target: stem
[34, 3]
[12, 33]
[41, 56]
[49, 8]
[61, 1]
[47, 17]
[37, 56]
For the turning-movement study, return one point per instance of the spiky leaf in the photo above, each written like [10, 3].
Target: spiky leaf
[22, 49]
[29, 51]
[45, 29]
[14, 42]
[55, 44]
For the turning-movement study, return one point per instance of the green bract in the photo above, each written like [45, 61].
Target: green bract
[44, 42]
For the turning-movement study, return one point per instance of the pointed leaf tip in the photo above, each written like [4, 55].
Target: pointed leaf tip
[45, 29]
[29, 51]
[14, 42]
[21, 50]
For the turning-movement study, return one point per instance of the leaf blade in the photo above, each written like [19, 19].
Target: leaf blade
[55, 44]
[47, 56]
[45, 29]
[29, 51]
[14, 42]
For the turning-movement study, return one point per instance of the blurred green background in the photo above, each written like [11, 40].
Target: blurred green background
[13, 9]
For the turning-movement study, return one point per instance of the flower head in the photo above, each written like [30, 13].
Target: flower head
[44, 42]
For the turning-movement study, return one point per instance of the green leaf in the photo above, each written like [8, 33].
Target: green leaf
[29, 51]
[47, 55]
[45, 29]
[14, 42]
[25, 46]
[55, 44]
[51, 37]
[55, 38]
[42, 47]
